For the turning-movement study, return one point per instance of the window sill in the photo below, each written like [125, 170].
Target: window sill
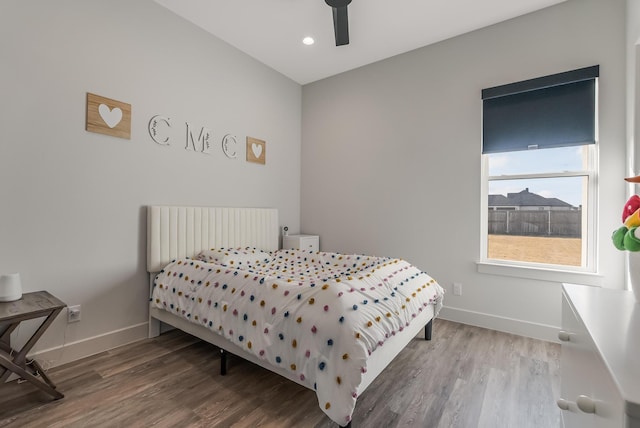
[540, 274]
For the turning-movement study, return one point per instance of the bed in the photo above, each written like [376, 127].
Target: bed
[330, 322]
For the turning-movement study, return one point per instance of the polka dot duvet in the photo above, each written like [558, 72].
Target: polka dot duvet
[318, 315]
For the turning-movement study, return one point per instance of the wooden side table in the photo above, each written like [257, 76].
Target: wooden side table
[38, 304]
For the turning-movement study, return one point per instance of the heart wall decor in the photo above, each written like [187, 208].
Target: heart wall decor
[256, 150]
[111, 117]
[108, 116]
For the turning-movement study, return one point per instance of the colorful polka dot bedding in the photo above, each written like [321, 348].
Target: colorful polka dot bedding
[318, 315]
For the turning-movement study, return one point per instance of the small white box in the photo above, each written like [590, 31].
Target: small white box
[301, 242]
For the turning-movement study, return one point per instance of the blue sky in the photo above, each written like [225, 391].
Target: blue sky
[540, 161]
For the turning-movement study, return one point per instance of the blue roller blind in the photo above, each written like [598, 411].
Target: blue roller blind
[551, 111]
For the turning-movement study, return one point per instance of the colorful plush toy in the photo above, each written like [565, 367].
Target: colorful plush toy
[631, 207]
[627, 237]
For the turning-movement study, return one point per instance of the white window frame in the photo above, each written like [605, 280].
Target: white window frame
[589, 265]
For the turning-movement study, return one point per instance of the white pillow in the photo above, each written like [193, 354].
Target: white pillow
[235, 257]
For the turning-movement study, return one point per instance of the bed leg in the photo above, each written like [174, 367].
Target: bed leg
[154, 327]
[223, 362]
[427, 330]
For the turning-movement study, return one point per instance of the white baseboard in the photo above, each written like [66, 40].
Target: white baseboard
[544, 332]
[73, 351]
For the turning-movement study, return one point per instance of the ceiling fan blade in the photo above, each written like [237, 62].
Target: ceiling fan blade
[340, 20]
[341, 25]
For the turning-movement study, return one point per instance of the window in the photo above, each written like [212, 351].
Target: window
[539, 164]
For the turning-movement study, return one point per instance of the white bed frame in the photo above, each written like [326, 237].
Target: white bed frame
[176, 232]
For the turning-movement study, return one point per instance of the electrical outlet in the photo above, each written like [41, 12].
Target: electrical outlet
[457, 289]
[73, 313]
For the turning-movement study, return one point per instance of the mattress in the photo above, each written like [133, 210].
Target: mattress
[320, 316]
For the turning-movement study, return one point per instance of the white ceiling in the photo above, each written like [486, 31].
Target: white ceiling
[271, 31]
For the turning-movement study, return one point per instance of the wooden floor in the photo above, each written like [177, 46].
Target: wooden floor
[465, 377]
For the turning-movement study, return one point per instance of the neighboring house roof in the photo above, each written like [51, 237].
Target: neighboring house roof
[525, 198]
[499, 201]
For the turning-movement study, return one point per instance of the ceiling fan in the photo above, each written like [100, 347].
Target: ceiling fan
[340, 20]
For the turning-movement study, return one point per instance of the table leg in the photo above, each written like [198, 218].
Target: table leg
[5, 345]
[11, 362]
[6, 331]
[22, 354]
[38, 370]
[13, 367]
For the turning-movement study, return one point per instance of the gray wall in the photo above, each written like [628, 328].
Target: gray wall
[391, 156]
[72, 219]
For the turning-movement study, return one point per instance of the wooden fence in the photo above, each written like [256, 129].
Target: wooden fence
[536, 223]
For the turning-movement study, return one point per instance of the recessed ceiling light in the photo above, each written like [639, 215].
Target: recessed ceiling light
[308, 41]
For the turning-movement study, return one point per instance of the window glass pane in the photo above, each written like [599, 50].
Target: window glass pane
[560, 159]
[537, 220]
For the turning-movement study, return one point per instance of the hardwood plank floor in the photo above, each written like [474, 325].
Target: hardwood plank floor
[465, 377]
